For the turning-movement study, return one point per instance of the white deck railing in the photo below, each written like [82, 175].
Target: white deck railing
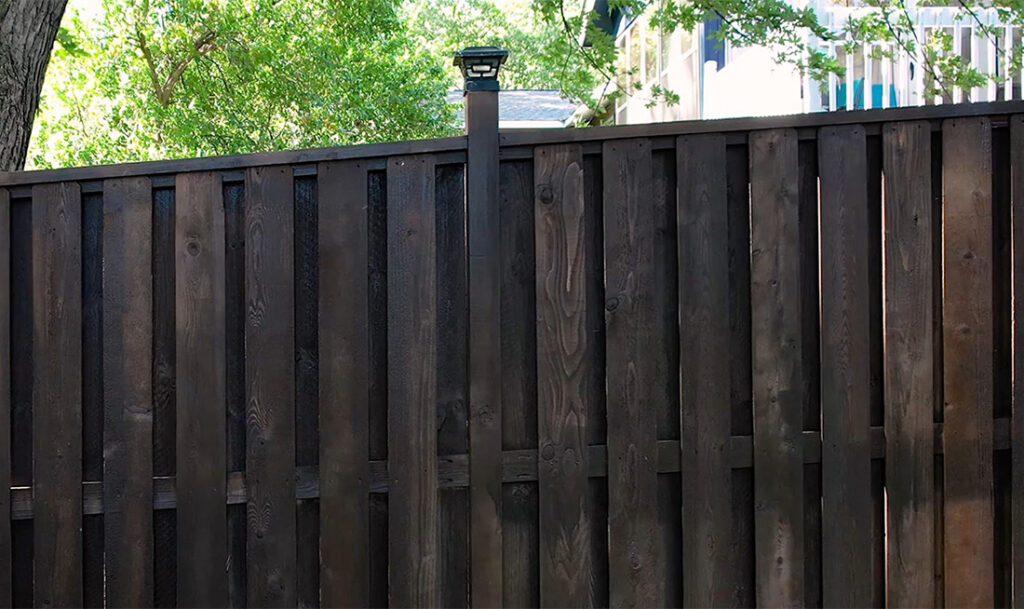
[901, 80]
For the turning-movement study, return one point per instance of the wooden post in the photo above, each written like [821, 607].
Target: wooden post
[485, 443]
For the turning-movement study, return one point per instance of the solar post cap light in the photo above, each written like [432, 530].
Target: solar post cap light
[480, 66]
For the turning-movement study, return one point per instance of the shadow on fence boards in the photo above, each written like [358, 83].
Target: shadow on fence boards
[732, 363]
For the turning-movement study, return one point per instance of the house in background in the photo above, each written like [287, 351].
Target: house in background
[525, 109]
[715, 79]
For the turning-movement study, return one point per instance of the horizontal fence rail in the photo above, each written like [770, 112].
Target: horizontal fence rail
[730, 363]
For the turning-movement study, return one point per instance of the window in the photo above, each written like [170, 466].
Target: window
[651, 71]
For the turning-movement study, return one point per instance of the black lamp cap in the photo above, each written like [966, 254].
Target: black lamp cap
[479, 66]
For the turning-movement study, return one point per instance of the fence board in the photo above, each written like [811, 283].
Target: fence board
[307, 408]
[201, 518]
[777, 382]
[270, 387]
[1017, 433]
[412, 357]
[634, 565]
[909, 365]
[128, 392]
[57, 393]
[344, 385]
[562, 344]
[520, 542]
[845, 369]
[703, 221]
[165, 580]
[5, 398]
[92, 390]
[967, 350]
[452, 380]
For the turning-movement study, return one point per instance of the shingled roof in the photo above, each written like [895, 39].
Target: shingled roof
[526, 108]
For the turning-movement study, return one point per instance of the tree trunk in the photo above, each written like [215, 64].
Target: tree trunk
[27, 31]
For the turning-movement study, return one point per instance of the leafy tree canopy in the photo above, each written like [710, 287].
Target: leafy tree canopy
[149, 79]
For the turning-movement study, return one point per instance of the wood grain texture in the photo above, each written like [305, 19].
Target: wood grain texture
[967, 366]
[128, 391]
[909, 364]
[705, 364]
[777, 374]
[412, 390]
[845, 369]
[270, 386]
[562, 376]
[485, 405]
[6, 599]
[1017, 425]
[520, 541]
[634, 564]
[57, 394]
[201, 518]
[344, 385]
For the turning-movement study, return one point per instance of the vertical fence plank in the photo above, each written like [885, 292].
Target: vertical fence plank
[127, 392]
[520, 542]
[634, 568]
[703, 221]
[57, 394]
[270, 386]
[92, 391]
[845, 369]
[344, 385]
[909, 366]
[967, 350]
[562, 374]
[164, 419]
[777, 383]
[5, 399]
[412, 357]
[1017, 449]
[452, 380]
[200, 390]
[307, 406]
[234, 368]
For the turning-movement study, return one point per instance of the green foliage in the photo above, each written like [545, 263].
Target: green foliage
[783, 27]
[151, 79]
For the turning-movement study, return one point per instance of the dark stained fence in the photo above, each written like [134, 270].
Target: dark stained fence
[754, 362]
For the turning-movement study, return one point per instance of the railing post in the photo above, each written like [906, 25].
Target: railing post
[480, 67]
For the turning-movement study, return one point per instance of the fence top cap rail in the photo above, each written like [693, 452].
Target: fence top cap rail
[236, 161]
[532, 137]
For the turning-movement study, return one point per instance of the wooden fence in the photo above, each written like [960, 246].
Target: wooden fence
[750, 362]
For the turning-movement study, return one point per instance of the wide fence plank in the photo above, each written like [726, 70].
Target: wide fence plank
[775, 303]
[967, 366]
[412, 366]
[634, 565]
[705, 364]
[57, 394]
[200, 390]
[1017, 432]
[344, 385]
[6, 565]
[562, 376]
[270, 386]
[128, 392]
[909, 365]
[845, 369]
[520, 542]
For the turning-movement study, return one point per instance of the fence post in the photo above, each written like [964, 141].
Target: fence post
[480, 67]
